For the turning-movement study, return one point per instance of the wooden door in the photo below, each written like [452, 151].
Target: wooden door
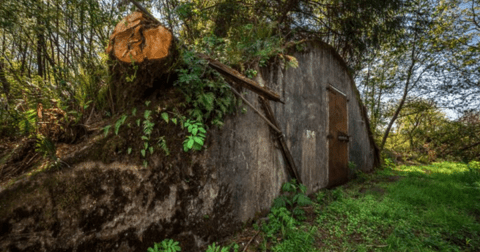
[337, 138]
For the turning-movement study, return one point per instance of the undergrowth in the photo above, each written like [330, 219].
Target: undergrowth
[207, 96]
[284, 230]
[434, 207]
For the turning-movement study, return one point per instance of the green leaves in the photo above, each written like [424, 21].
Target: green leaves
[206, 94]
[119, 123]
[147, 132]
[283, 220]
[148, 127]
[162, 143]
[196, 139]
[215, 248]
[147, 114]
[106, 129]
[302, 200]
[188, 144]
[165, 117]
[167, 245]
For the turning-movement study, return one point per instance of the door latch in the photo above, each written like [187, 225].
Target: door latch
[342, 137]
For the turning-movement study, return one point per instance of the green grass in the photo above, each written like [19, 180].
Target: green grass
[407, 208]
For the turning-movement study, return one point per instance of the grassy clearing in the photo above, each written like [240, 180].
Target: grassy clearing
[407, 208]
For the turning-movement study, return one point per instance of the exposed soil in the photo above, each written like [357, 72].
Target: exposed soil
[112, 202]
[17, 158]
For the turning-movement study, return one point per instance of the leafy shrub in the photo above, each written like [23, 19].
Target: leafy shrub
[167, 245]
[196, 138]
[207, 96]
[293, 198]
[284, 217]
[215, 248]
[388, 163]
[474, 165]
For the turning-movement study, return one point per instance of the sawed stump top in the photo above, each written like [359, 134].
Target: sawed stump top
[137, 38]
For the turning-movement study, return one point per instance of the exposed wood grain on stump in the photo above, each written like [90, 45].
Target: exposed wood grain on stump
[137, 38]
[142, 53]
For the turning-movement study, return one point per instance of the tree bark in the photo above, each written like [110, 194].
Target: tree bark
[143, 52]
[4, 81]
[40, 43]
[404, 97]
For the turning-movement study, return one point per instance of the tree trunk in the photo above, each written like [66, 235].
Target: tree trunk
[143, 51]
[40, 43]
[402, 100]
[4, 81]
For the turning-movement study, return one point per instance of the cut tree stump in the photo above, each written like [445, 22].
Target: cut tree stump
[137, 38]
[142, 53]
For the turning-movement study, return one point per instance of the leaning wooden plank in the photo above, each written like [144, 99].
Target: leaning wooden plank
[256, 110]
[240, 79]
[281, 140]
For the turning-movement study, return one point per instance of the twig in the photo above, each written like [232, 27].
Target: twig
[62, 162]
[91, 113]
[377, 246]
[140, 7]
[34, 156]
[253, 238]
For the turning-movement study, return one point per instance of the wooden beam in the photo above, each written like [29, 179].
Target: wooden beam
[281, 140]
[256, 110]
[241, 79]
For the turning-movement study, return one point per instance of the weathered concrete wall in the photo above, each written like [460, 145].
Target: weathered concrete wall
[193, 198]
[246, 153]
[304, 117]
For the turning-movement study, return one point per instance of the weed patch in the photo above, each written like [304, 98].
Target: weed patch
[422, 211]
[399, 208]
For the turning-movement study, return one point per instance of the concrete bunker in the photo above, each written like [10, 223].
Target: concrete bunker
[324, 123]
[95, 206]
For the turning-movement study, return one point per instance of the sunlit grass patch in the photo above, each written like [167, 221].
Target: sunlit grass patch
[429, 208]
